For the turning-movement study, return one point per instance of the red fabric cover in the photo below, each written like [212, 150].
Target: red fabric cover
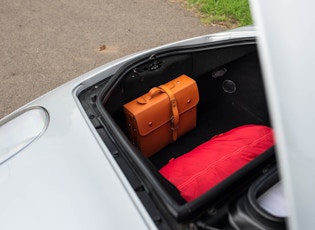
[199, 170]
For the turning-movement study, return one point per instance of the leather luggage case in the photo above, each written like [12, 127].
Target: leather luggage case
[162, 115]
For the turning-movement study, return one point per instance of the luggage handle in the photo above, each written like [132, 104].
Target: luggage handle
[156, 90]
[151, 94]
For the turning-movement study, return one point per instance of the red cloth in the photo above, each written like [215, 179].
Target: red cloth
[199, 170]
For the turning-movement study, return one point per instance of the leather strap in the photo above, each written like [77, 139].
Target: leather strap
[174, 110]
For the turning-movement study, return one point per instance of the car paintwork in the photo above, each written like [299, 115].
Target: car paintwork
[67, 178]
[64, 180]
[286, 47]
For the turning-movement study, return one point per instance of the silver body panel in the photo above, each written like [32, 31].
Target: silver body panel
[67, 178]
[287, 47]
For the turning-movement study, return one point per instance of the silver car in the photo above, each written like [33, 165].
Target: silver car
[66, 161]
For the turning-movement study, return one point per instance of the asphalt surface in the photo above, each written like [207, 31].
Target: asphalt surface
[46, 43]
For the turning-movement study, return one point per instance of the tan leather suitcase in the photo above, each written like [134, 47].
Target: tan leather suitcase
[162, 115]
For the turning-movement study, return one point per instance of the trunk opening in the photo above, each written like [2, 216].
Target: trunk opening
[231, 94]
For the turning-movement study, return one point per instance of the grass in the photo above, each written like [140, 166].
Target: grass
[230, 13]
